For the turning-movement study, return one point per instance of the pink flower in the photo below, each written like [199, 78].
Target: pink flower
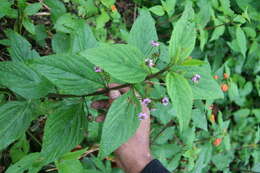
[149, 62]
[97, 69]
[196, 78]
[146, 101]
[155, 43]
[142, 116]
[165, 101]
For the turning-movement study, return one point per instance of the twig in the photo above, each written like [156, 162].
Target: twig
[106, 90]
[34, 138]
[43, 14]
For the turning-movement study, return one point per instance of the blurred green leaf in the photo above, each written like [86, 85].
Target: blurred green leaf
[157, 9]
[15, 118]
[241, 41]
[32, 9]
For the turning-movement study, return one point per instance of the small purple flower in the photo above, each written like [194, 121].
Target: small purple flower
[155, 43]
[196, 78]
[146, 101]
[165, 101]
[97, 69]
[149, 62]
[142, 116]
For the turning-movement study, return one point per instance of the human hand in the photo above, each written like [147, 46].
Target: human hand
[133, 155]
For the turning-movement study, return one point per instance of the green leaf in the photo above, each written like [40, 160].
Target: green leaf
[108, 3]
[218, 31]
[57, 8]
[143, 32]
[71, 74]
[207, 87]
[32, 9]
[204, 158]
[203, 17]
[120, 124]
[29, 26]
[157, 9]
[199, 119]
[169, 6]
[60, 43]
[180, 93]
[66, 23]
[68, 166]
[64, 130]
[31, 163]
[102, 19]
[24, 81]
[241, 40]
[20, 49]
[19, 149]
[192, 62]
[70, 163]
[82, 38]
[6, 10]
[123, 62]
[15, 118]
[183, 36]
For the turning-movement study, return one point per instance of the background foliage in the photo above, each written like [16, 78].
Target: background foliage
[49, 50]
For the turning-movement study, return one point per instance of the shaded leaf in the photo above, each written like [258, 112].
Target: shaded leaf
[24, 81]
[15, 118]
[71, 74]
[64, 130]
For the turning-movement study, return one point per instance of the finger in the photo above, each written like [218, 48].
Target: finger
[100, 104]
[113, 94]
[100, 118]
[122, 90]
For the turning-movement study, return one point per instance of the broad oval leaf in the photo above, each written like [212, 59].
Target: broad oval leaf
[143, 32]
[15, 118]
[180, 93]
[183, 36]
[24, 81]
[20, 49]
[31, 163]
[123, 62]
[64, 130]
[241, 41]
[71, 74]
[206, 87]
[82, 37]
[120, 124]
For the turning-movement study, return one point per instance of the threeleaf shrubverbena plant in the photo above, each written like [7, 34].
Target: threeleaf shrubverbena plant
[62, 86]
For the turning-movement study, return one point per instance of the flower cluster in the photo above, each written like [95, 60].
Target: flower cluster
[97, 69]
[165, 101]
[196, 78]
[155, 43]
[142, 116]
[149, 62]
[146, 101]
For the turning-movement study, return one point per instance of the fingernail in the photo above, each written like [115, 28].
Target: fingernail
[113, 94]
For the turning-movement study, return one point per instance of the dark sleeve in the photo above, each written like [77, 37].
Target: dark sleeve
[155, 167]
